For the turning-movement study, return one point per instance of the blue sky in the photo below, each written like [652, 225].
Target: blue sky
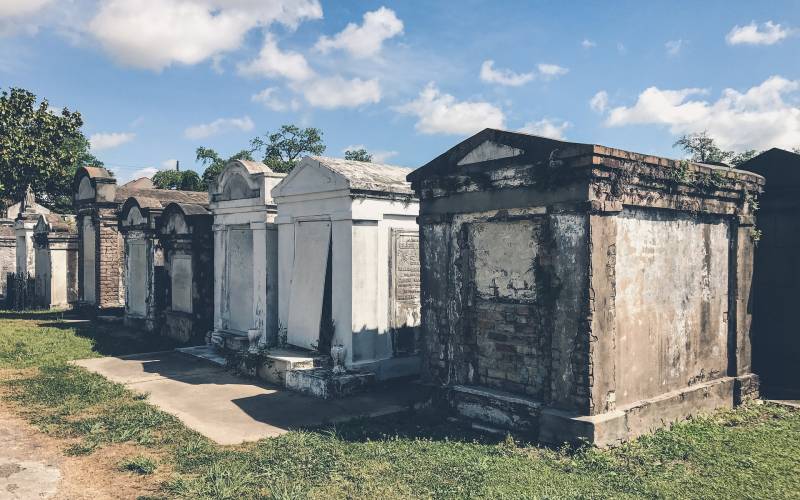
[155, 79]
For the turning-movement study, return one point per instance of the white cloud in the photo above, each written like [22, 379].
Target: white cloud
[14, 8]
[271, 101]
[136, 174]
[365, 40]
[154, 34]
[767, 34]
[110, 140]
[550, 71]
[440, 113]
[272, 62]
[674, 47]
[503, 76]
[337, 92]
[599, 102]
[218, 126]
[758, 118]
[378, 155]
[588, 44]
[546, 128]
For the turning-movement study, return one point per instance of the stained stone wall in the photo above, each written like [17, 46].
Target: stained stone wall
[576, 291]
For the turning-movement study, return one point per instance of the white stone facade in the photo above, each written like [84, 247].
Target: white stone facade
[56, 250]
[348, 255]
[245, 256]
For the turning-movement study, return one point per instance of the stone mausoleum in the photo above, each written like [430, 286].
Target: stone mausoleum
[575, 291]
[56, 249]
[245, 256]
[145, 284]
[24, 224]
[187, 242]
[349, 263]
[776, 285]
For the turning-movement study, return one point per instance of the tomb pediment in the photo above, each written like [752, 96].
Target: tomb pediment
[490, 150]
[308, 177]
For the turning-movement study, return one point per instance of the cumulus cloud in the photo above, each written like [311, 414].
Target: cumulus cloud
[599, 102]
[440, 113]
[268, 97]
[674, 47]
[154, 34]
[15, 8]
[503, 76]
[762, 117]
[588, 44]
[108, 140]
[273, 62]
[365, 40]
[549, 71]
[378, 155]
[753, 34]
[218, 126]
[337, 92]
[546, 128]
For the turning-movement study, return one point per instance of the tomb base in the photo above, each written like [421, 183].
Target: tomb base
[499, 411]
[323, 383]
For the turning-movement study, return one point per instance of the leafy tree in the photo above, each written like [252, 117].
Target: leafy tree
[283, 148]
[704, 149]
[357, 155]
[214, 163]
[186, 180]
[40, 148]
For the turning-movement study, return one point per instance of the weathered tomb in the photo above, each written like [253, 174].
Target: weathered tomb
[143, 257]
[8, 253]
[245, 256]
[24, 224]
[185, 235]
[349, 263]
[776, 284]
[574, 291]
[56, 248]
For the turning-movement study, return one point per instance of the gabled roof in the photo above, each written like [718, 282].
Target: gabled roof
[353, 175]
[158, 198]
[781, 168]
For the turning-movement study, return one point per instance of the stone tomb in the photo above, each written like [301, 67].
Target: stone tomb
[349, 263]
[8, 253]
[184, 232]
[245, 256]
[143, 258]
[776, 285]
[56, 249]
[24, 224]
[574, 291]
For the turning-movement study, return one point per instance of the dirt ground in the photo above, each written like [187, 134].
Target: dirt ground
[33, 465]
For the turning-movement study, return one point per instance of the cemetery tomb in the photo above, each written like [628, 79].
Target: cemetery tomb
[245, 256]
[184, 232]
[349, 264]
[573, 291]
[56, 248]
[26, 219]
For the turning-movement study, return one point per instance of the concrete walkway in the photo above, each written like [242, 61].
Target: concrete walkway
[230, 409]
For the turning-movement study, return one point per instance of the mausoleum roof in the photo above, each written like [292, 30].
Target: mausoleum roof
[58, 223]
[158, 198]
[367, 176]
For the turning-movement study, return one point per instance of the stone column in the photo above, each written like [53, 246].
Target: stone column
[26, 261]
[259, 283]
[220, 234]
[740, 316]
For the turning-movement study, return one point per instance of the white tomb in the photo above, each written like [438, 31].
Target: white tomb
[26, 219]
[245, 256]
[349, 263]
[56, 249]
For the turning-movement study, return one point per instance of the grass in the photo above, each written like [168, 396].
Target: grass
[750, 452]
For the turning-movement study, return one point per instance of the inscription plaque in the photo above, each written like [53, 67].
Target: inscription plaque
[404, 279]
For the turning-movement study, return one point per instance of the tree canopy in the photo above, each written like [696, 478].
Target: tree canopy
[283, 148]
[186, 180]
[703, 148]
[214, 163]
[40, 148]
[357, 155]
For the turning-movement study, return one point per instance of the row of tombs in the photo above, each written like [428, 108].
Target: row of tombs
[568, 291]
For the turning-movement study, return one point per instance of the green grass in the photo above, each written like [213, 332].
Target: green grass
[751, 452]
[139, 464]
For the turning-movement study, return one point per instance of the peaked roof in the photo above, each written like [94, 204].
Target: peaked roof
[157, 198]
[781, 168]
[366, 176]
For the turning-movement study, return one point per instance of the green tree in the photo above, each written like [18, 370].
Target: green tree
[40, 148]
[283, 148]
[703, 148]
[357, 155]
[214, 163]
[186, 180]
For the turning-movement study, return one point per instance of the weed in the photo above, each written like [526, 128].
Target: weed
[139, 464]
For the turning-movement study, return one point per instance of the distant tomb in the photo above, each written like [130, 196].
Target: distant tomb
[578, 292]
[245, 256]
[56, 249]
[349, 263]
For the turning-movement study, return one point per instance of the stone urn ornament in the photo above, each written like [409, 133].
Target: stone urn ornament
[338, 355]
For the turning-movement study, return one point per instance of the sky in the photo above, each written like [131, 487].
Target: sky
[407, 80]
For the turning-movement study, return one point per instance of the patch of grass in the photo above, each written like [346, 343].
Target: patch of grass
[752, 452]
[139, 464]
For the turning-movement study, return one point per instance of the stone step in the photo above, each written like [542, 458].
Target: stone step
[323, 383]
[207, 352]
[280, 361]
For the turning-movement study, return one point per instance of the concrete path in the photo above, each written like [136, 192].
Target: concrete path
[230, 409]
